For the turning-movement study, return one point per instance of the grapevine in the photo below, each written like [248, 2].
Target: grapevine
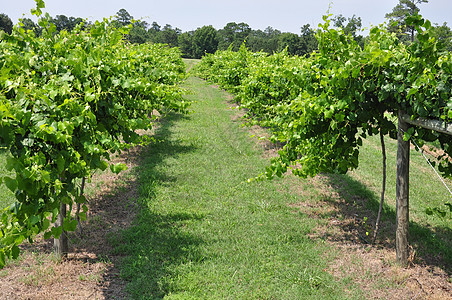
[68, 101]
[321, 107]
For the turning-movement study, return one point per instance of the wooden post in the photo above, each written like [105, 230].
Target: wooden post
[60, 245]
[436, 125]
[402, 193]
[403, 170]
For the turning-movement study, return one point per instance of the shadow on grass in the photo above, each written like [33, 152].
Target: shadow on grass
[154, 244]
[138, 246]
[357, 204]
[152, 249]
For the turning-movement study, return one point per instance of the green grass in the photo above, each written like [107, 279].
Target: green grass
[6, 196]
[430, 235]
[191, 62]
[203, 233]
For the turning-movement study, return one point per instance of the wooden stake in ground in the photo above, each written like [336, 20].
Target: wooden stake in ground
[61, 246]
[383, 187]
[402, 193]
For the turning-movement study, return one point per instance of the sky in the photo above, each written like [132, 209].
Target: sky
[284, 15]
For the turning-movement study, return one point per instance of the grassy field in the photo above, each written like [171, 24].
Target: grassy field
[190, 63]
[202, 232]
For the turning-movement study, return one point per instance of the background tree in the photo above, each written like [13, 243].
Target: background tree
[28, 24]
[292, 42]
[154, 32]
[308, 41]
[123, 18]
[64, 23]
[350, 26]
[185, 41]
[271, 39]
[267, 40]
[257, 41]
[205, 40]
[6, 24]
[61, 22]
[234, 34]
[443, 34]
[398, 17]
[139, 33]
[169, 35]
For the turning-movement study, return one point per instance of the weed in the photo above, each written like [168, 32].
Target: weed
[104, 259]
[89, 277]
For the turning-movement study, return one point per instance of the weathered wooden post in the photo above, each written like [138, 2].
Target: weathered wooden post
[60, 245]
[402, 193]
[403, 170]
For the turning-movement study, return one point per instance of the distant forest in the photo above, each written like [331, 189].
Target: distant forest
[207, 39]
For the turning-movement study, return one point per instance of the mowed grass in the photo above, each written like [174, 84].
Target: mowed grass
[191, 62]
[203, 232]
[430, 235]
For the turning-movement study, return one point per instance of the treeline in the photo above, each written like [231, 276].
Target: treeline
[207, 39]
[195, 43]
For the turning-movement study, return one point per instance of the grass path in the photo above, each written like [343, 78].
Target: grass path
[203, 232]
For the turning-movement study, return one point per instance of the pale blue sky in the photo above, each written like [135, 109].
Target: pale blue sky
[285, 15]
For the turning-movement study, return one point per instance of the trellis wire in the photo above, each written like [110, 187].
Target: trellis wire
[428, 161]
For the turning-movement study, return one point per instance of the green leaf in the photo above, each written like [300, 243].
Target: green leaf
[40, 4]
[103, 165]
[60, 164]
[47, 235]
[45, 175]
[118, 168]
[55, 213]
[82, 216]
[69, 225]
[58, 186]
[90, 97]
[2, 258]
[449, 205]
[33, 220]
[80, 199]
[45, 224]
[406, 136]
[412, 91]
[66, 200]
[328, 114]
[10, 183]
[57, 231]
[19, 239]
[15, 251]
[10, 163]
[441, 213]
